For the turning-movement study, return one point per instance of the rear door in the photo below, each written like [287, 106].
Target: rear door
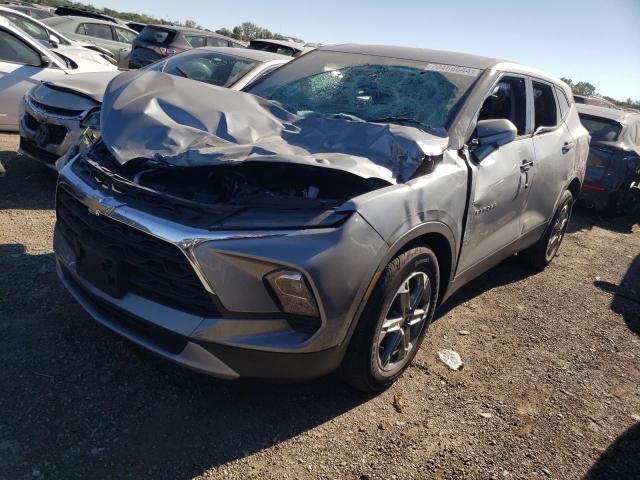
[100, 34]
[554, 161]
[125, 38]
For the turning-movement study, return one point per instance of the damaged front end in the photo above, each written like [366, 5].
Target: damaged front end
[216, 228]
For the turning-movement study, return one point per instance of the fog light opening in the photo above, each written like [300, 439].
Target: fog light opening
[293, 292]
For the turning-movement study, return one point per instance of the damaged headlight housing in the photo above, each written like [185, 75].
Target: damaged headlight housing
[293, 293]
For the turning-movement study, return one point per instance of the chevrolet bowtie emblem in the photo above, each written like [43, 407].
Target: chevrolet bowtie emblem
[102, 206]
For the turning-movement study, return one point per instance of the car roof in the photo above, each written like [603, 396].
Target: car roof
[179, 28]
[92, 20]
[417, 54]
[255, 55]
[617, 114]
[284, 43]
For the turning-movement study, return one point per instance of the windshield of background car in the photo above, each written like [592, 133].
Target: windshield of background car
[370, 88]
[601, 129]
[214, 68]
[27, 26]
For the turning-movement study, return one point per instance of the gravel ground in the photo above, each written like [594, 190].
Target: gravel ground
[550, 388]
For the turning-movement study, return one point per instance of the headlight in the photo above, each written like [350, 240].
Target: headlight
[293, 292]
[92, 120]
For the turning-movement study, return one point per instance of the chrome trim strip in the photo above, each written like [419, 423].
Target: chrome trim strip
[45, 113]
[183, 237]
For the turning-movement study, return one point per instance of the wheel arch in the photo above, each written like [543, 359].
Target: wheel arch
[436, 235]
[574, 187]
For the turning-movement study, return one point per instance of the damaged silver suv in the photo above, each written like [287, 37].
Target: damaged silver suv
[315, 222]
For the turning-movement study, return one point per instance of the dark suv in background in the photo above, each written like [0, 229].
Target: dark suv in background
[612, 180]
[159, 41]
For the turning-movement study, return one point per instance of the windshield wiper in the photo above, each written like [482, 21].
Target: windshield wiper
[402, 121]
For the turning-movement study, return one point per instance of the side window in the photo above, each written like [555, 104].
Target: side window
[125, 36]
[507, 100]
[27, 26]
[98, 30]
[563, 103]
[196, 42]
[14, 50]
[217, 42]
[544, 105]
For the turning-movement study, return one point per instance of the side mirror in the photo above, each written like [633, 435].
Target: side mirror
[54, 41]
[45, 61]
[492, 134]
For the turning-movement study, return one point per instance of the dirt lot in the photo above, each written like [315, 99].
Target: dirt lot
[551, 386]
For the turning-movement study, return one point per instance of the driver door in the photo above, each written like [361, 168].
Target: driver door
[500, 180]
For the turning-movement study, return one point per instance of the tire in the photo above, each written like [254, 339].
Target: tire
[376, 336]
[540, 254]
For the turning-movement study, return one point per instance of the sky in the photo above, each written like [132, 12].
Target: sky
[594, 41]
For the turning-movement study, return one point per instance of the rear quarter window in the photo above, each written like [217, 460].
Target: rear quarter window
[217, 42]
[159, 36]
[601, 129]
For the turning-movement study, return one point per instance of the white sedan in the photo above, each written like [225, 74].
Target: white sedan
[25, 62]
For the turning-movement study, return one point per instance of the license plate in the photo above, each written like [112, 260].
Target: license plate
[102, 271]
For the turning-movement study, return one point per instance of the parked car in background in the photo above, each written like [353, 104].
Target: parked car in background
[138, 27]
[283, 47]
[612, 181]
[71, 105]
[594, 100]
[314, 221]
[160, 41]
[47, 35]
[114, 37]
[25, 62]
[35, 12]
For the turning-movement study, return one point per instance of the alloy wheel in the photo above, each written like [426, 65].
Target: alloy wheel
[403, 323]
[557, 232]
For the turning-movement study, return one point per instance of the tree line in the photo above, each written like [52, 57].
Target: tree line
[586, 88]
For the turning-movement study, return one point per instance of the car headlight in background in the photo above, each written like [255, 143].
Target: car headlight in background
[293, 292]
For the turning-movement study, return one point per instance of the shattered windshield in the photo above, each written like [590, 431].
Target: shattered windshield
[370, 88]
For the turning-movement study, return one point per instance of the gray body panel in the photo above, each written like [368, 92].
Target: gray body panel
[477, 212]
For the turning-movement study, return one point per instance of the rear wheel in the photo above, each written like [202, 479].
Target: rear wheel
[394, 321]
[541, 253]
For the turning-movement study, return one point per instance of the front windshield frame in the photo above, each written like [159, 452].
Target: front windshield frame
[323, 61]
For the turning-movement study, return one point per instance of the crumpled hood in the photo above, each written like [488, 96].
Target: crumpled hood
[87, 60]
[185, 123]
[90, 85]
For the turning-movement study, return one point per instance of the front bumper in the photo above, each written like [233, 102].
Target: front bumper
[248, 336]
[46, 136]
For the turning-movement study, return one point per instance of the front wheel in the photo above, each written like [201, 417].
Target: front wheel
[541, 253]
[393, 322]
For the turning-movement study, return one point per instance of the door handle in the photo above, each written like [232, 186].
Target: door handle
[525, 167]
[567, 146]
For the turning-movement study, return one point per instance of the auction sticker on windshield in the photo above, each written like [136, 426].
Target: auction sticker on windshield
[440, 67]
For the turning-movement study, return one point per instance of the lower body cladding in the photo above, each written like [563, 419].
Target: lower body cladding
[262, 304]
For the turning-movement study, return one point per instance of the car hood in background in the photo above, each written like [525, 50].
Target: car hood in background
[87, 60]
[92, 84]
[183, 123]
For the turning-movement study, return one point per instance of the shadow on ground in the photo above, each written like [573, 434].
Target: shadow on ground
[100, 406]
[26, 184]
[626, 296]
[621, 460]
[586, 218]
